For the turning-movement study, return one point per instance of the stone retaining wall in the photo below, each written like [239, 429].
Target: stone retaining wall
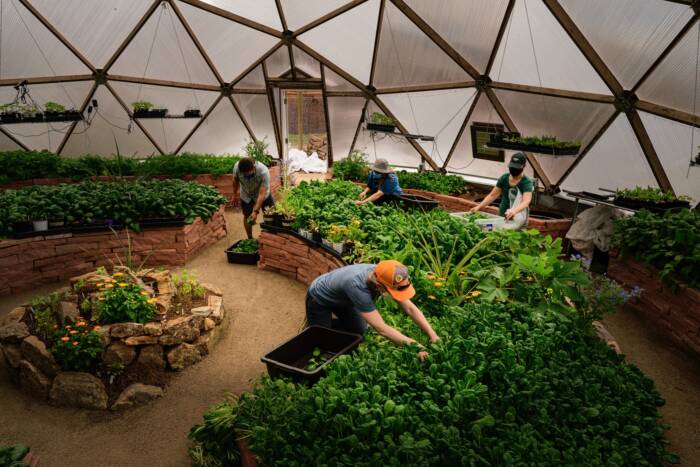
[555, 228]
[674, 314]
[29, 262]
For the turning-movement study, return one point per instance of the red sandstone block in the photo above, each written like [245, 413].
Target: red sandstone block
[291, 275]
[8, 261]
[75, 248]
[297, 250]
[280, 265]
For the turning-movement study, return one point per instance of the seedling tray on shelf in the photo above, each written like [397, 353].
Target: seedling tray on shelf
[291, 358]
[651, 206]
[235, 257]
[417, 201]
[381, 127]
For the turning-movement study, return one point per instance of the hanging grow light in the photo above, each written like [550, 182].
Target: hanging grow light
[547, 145]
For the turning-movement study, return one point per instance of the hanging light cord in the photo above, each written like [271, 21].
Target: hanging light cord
[182, 54]
[150, 50]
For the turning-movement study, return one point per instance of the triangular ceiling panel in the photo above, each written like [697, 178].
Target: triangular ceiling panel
[260, 11]
[46, 135]
[555, 60]
[567, 119]
[615, 161]
[306, 63]
[97, 27]
[253, 80]
[256, 110]
[672, 83]
[396, 149]
[631, 34]
[406, 56]
[278, 63]
[109, 133]
[6, 144]
[231, 46]
[162, 49]
[676, 144]
[335, 82]
[344, 116]
[28, 49]
[348, 40]
[220, 133]
[433, 113]
[462, 160]
[300, 14]
[168, 132]
[470, 27]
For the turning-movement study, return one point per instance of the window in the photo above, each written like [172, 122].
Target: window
[480, 136]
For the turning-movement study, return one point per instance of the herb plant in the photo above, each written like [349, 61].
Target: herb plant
[544, 141]
[54, 107]
[141, 106]
[257, 150]
[78, 347]
[433, 181]
[120, 301]
[380, 118]
[13, 456]
[650, 194]
[354, 167]
[249, 245]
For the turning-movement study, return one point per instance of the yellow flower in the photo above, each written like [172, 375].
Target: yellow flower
[109, 286]
[430, 276]
[152, 300]
[75, 343]
[123, 284]
[144, 293]
[65, 339]
[117, 274]
[437, 284]
[476, 293]
[432, 297]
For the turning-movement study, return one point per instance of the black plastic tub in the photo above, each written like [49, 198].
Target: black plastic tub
[65, 116]
[152, 113]
[241, 258]
[291, 358]
[417, 201]
[162, 222]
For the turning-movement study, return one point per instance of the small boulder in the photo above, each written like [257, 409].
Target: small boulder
[203, 344]
[182, 356]
[211, 289]
[119, 354]
[12, 353]
[14, 333]
[208, 324]
[136, 394]
[201, 311]
[68, 313]
[104, 331]
[32, 379]
[78, 390]
[126, 329]
[141, 340]
[179, 330]
[35, 352]
[15, 316]
[217, 305]
[151, 356]
[153, 329]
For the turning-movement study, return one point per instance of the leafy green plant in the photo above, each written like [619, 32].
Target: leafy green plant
[44, 315]
[120, 301]
[604, 295]
[13, 456]
[317, 359]
[257, 149]
[141, 105]
[380, 118]
[77, 347]
[650, 194]
[433, 181]
[544, 141]
[353, 168]
[249, 245]
[214, 439]
[187, 289]
[54, 107]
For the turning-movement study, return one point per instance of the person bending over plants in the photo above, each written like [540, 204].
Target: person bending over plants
[382, 184]
[350, 293]
[252, 180]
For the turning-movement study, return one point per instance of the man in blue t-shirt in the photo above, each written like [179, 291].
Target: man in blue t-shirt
[350, 292]
[382, 184]
[252, 181]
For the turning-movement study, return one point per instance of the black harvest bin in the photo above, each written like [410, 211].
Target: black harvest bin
[291, 358]
[241, 258]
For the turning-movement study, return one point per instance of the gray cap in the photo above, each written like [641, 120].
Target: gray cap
[381, 166]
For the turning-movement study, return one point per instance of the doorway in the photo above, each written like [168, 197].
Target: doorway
[304, 122]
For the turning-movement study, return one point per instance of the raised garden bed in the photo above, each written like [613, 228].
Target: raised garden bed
[67, 348]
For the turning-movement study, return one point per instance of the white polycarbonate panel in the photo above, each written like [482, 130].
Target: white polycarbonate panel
[628, 34]
[109, 132]
[168, 132]
[407, 56]
[278, 63]
[221, 133]
[615, 161]
[306, 63]
[46, 135]
[253, 80]
[567, 119]
[163, 50]
[28, 49]
[256, 110]
[334, 82]
[96, 27]
[231, 46]
[470, 27]
[6, 144]
[462, 160]
[300, 13]
[348, 40]
[676, 144]
[260, 11]
[344, 115]
[673, 83]
[553, 62]
[434, 113]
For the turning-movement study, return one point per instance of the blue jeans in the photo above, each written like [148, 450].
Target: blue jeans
[348, 319]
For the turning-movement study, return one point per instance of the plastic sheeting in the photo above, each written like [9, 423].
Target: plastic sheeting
[253, 80]
[676, 144]
[407, 56]
[163, 50]
[300, 14]
[260, 11]
[631, 34]
[615, 161]
[334, 82]
[231, 46]
[297, 160]
[593, 228]
[558, 63]
[6, 144]
[221, 133]
[344, 116]
[348, 40]
[470, 27]
[278, 63]
[306, 63]
[256, 110]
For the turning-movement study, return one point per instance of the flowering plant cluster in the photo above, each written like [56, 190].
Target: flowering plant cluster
[120, 300]
[77, 347]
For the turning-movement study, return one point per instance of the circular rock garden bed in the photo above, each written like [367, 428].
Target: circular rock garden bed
[111, 340]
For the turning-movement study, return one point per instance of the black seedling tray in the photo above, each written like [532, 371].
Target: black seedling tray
[651, 206]
[241, 258]
[417, 201]
[162, 222]
[290, 359]
[381, 127]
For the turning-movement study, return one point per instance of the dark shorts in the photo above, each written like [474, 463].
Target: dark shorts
[247, 208]
[385, 199]
[348, 320]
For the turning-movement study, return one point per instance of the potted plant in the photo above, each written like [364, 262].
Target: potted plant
[315, 230]
[380, 122]
[269, 215]
[54, 112]
[335, 238]
[144, 109]
[193, 113]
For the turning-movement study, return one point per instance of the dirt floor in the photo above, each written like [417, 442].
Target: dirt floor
[265, 309]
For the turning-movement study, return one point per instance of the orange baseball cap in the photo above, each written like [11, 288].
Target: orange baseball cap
[390, 273]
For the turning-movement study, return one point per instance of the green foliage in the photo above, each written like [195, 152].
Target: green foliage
[121, 202]
[187, 287]
[603, 296]
[433, 181]
[44, 315]
[186, 164]
[249, 245]
[77, 347]
[123, 302]
[12, 456]
[354, 167]
[257, 149]
[650, 194]
[380, 118]
[214, 439]
[54, 107]
[141, 105]
[669, 242]
[546, 141]
[27, 110]
[317, 359]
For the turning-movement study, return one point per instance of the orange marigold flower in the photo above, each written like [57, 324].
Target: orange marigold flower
[80, 323]
[65, 339]
[73, 332]
[96, 328]
[117, 274]
[437, 284]
[74, 344]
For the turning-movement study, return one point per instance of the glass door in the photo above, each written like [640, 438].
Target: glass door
[304, 122]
